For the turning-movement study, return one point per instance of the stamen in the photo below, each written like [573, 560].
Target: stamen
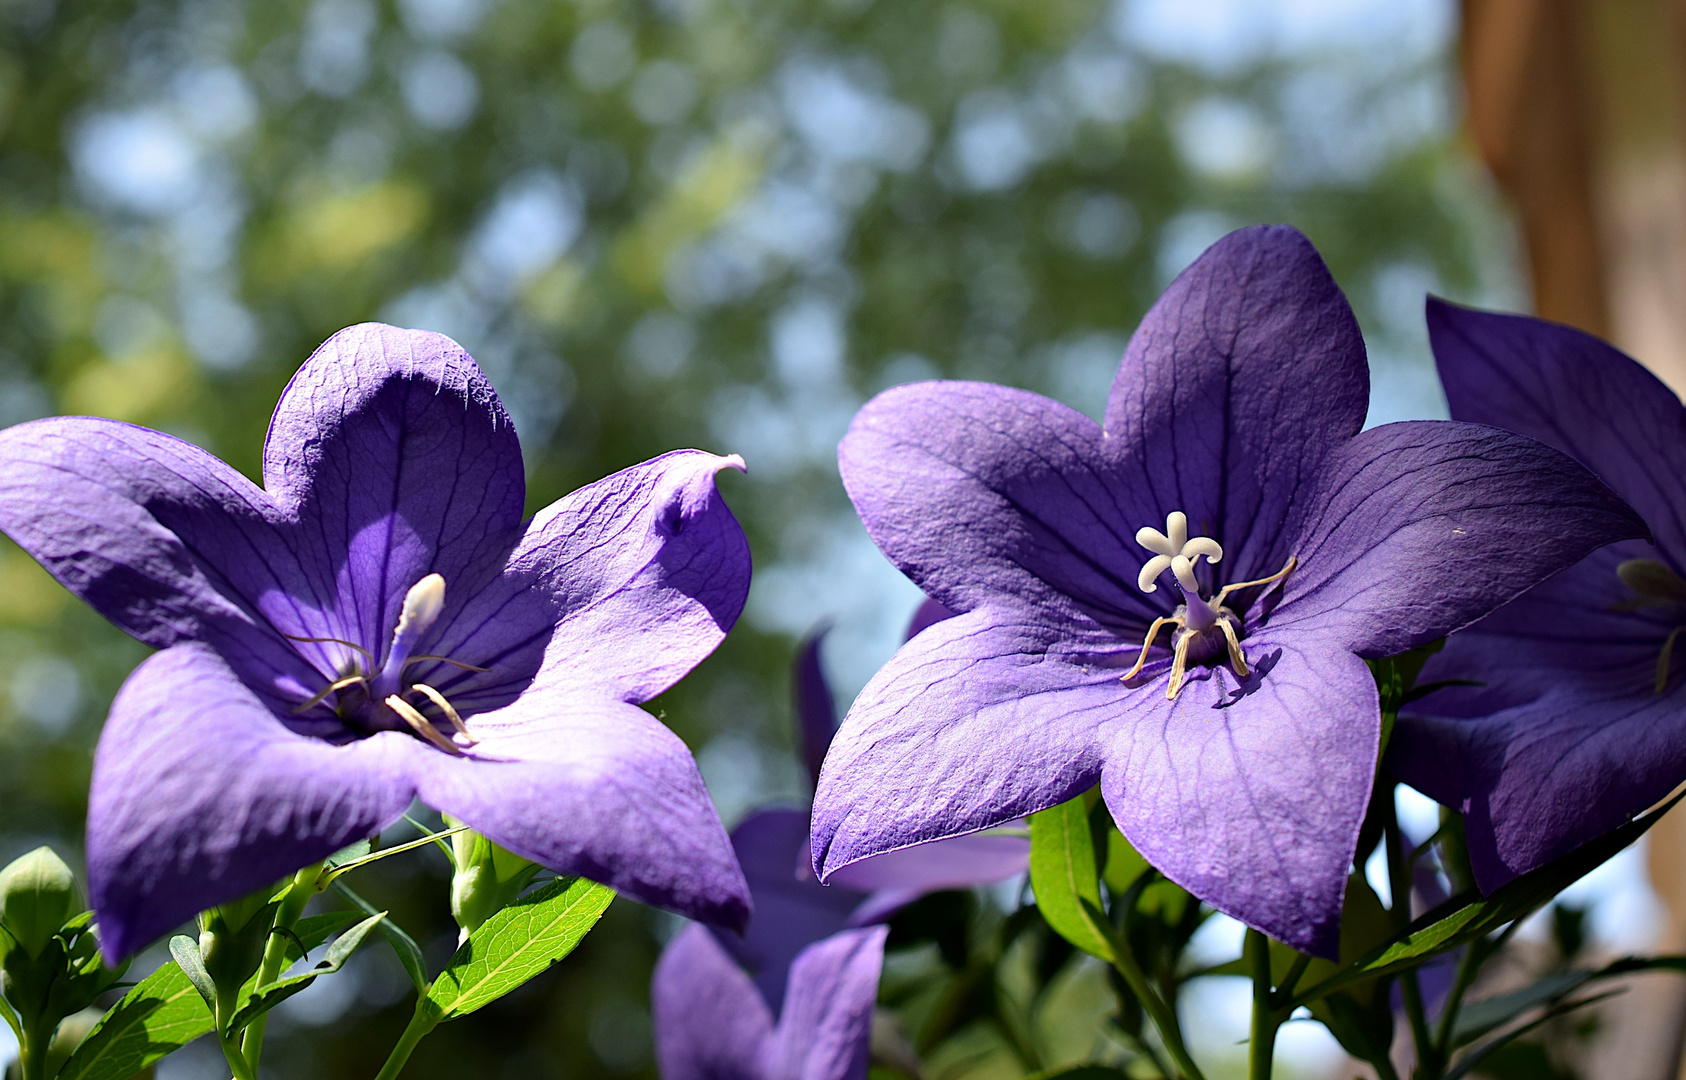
[1237, 660]
[420, 657]
[1152, 632]
[445, 707]
[1663, 658]
[1293, 561]
[334, 640]
[1179, 666]
[423, 727]
[333, 687]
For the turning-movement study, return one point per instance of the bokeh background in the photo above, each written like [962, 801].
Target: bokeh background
[667, 223]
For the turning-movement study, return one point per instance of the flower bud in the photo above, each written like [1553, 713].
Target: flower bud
[487, 878]
[38, 895]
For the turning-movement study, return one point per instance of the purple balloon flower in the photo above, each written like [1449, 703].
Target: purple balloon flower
[377, 624]
[1581, 719]
[789, 1000]
[1230, 718]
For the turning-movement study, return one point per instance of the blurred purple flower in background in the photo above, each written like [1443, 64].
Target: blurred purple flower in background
[804, 944]
[1238, 751]
[377, 624]
[1580, 721]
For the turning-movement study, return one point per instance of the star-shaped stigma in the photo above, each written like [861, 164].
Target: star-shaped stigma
[1204, 629]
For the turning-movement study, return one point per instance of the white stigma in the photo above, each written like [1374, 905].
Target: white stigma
[422, 605]
[1176, 551]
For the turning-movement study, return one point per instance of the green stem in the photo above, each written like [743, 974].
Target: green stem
[1399, 884]
[275, 954]
[32, 1055]
[1261, 1045]
[425, 1019]
[1164, 1016]
[236, 1060]
[1467, 968]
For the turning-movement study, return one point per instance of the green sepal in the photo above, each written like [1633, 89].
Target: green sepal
[1064, 876]
[267, 997]
[232, 937]
[158, 1016]
[523, 940]
[487, 877]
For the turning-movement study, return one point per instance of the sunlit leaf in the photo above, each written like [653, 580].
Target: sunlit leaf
[521, 941]
[158, 1016]
[1063, 875]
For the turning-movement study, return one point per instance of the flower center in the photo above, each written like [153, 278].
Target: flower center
[1654, 585]
[384, 693]
[1203, 629]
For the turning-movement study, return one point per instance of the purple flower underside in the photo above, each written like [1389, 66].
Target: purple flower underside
[792, 909]
[1568, 736]
[224, 767]
[1239, 403]
[713, 1024]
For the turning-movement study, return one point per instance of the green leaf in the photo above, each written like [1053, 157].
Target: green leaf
[11, 1017]
[267, 997]
[186, 952]
[158, 1016]
[519, 942]
[1063, 875]
[313, 930]
[1477, 1056]
[1081, 1072]
[409, 953]
[1468, 915]
[1489, 1014]
[350, 853]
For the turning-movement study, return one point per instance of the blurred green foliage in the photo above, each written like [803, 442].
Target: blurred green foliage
[719, 223]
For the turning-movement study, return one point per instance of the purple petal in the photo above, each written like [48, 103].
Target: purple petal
[1564, 631]
[396, 457]
[928, 613]
[596, 788]
[1251, 797]
[1570, 390]
[825, 1028]
[710, 1024]
[980, 492]
[959, 862]
[792, 910]
[1242, 378]
[816, 712]
[620, 588]
[1565, 738]
[1422, 527]
[977, 721]
[200, 795]
[158, 536]
[1538, 780]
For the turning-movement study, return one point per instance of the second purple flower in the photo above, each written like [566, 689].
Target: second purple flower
[1177, 604]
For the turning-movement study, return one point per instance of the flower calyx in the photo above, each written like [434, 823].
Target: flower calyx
[1202, 629]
